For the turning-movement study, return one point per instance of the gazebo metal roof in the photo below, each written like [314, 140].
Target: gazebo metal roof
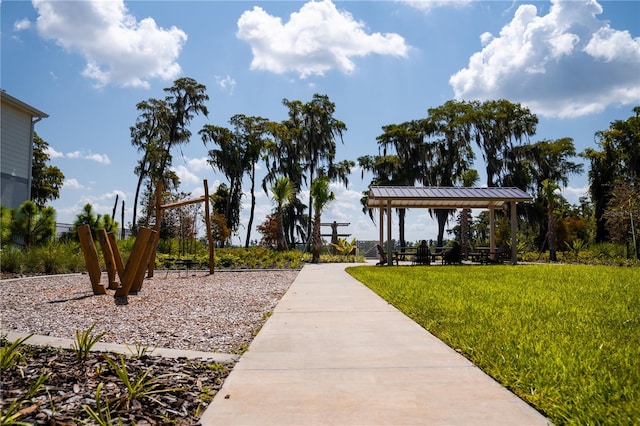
[443, 197]
[387, 198]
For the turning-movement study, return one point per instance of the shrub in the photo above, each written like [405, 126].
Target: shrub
[11, 260]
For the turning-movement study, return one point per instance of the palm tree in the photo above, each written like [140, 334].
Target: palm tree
[282, 157]
[229, 159]
[283, 193]
[162, 125]
[253, 131]
[148, 135]
[315, 130]
[322, 195]
[547, 160]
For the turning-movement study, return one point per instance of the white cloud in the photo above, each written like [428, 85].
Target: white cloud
[573, 194]
[118, 49]
[198, 164]
[427, 6]
[73, 184]
[52, 153]
[316, 39]
[186, 175]
[100, 158]
[22, 24]
[226, 83]
[566, 63]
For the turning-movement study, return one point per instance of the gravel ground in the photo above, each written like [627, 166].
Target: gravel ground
[201, 312]
[198, 311]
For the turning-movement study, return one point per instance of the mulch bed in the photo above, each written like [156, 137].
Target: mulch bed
[184, 388]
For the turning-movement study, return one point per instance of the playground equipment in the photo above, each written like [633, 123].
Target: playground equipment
[143, 253]
[334, 232]
[131, 275]
[162, 207]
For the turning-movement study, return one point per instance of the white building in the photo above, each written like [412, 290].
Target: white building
[17, 121]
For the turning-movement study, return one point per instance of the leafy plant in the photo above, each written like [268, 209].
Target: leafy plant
[102, 414]
[240, 350]
[10, 355]
[11, 259]
[575, 247]
[143, 385]
[345, 248]
[138, 350]
[12, 414]
[85, 341]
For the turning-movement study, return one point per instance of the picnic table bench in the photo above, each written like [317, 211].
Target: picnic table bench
[179, 264]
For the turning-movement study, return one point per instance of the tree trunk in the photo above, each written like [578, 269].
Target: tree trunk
[464, 232]
[442, 216]
[134, 225]
[401, 216]
[551, 233]
[316, 239]
[253, 206]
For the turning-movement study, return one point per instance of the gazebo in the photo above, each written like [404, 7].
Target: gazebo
[386, 198]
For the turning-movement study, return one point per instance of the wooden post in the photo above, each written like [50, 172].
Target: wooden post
[137, 259]
[149, 252]
[207, 219]
[91, 259]
[109, 261]
[514, 233]
[116, 255]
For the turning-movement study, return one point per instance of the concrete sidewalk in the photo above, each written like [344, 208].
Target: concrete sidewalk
[333, 352]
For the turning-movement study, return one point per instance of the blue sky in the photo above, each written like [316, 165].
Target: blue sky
[575, 64]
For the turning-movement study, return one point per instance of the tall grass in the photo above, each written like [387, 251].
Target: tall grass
[565, 338]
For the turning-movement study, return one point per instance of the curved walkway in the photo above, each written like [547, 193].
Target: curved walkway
[334, 352]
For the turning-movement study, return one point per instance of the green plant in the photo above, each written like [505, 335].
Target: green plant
[102, 414]
[138, 350]
[85, 341]
[12, 414]
[575, 247]
[143, 385]
[241, 349]
[344, 247]
[10, 355]
[226, 260]
[11, 259]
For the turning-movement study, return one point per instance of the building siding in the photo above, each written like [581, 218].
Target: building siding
[16, 140]
[16, 123]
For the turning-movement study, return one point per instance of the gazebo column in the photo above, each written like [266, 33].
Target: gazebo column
[514, 231]
[381, 222]
[492, 229]
[389, 247]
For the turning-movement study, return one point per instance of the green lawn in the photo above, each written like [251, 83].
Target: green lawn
[565, 338]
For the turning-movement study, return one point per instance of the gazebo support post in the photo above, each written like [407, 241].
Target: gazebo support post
[389, 246]
[492, 229]
[514, 231]
[381, 222]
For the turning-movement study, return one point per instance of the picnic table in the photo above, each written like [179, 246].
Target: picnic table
[437, 253]
[485, 255]
[179, 264]
[411, 254]
[404, 253]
